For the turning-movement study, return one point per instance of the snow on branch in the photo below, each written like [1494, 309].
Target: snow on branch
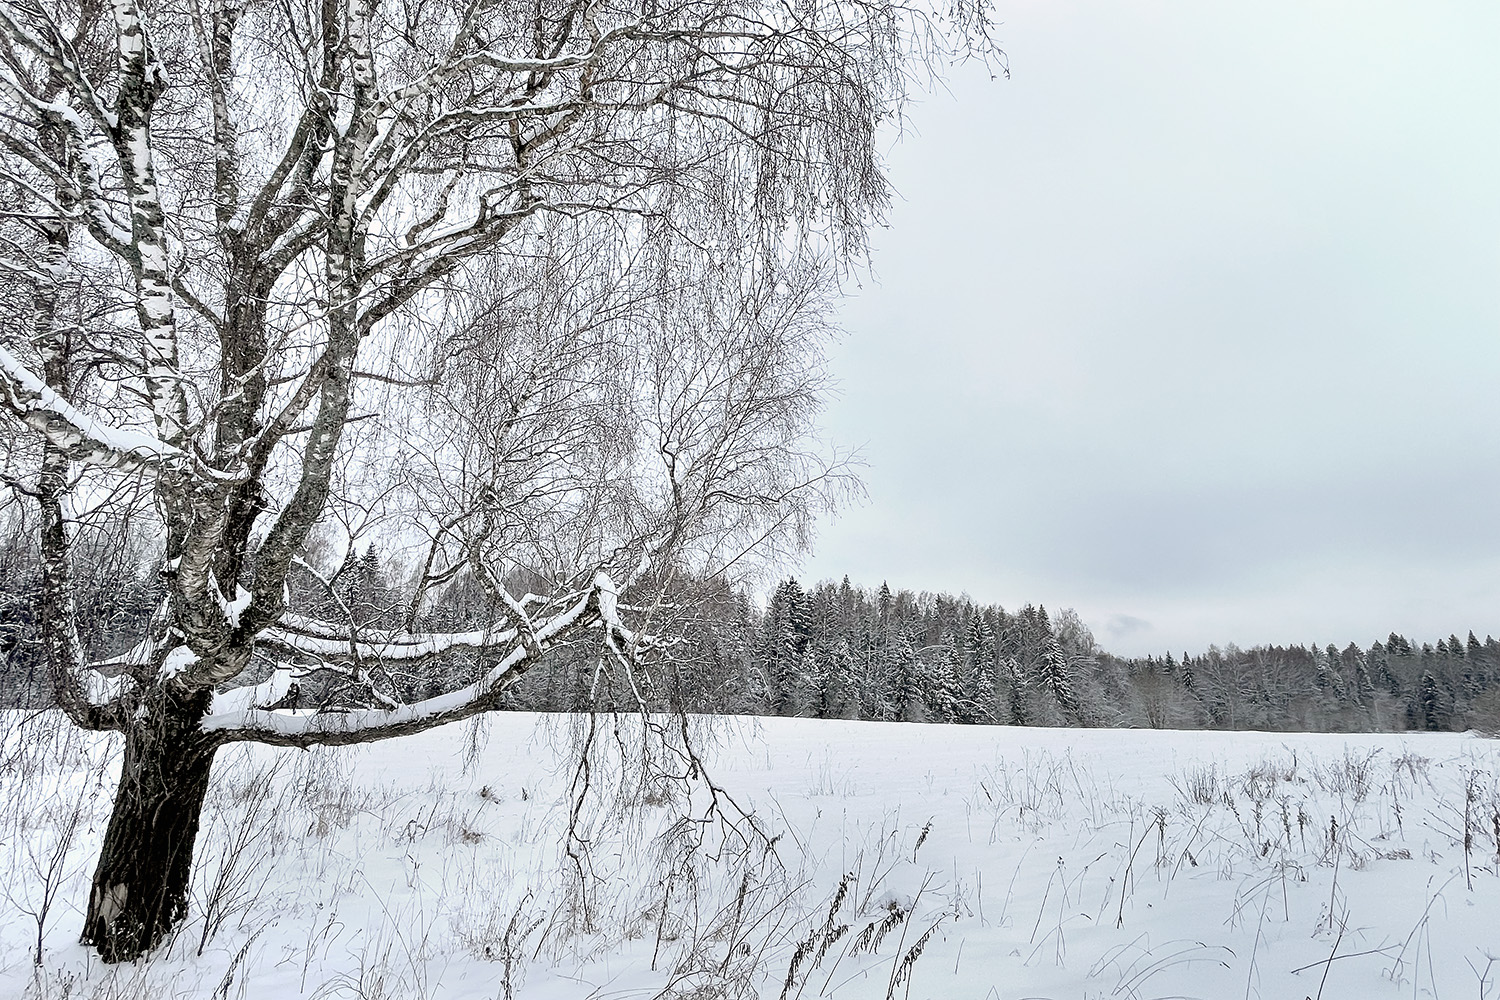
[82, 176]
[314, 638]
[59, 58]
[79, 436]
[364, 725]
[132, 660]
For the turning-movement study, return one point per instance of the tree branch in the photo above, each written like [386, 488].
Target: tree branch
[368, 725]
[79, 436]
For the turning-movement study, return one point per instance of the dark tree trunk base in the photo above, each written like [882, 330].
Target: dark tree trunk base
[140, 889]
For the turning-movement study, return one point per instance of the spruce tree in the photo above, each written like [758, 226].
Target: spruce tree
[1052, 667]
[1432, 712]
[809, 686]
[1013, 678]
[981, 694]
[841, 695]
[940, 689]
[1053, 675]
[979, 642]
[906, 681]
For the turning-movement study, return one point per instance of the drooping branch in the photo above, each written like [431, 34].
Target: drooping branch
[82, 184]
[336, 728]
[79, 436]
[310, 637]
[347, 234]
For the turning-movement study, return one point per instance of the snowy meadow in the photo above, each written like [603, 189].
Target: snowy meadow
[852, 860]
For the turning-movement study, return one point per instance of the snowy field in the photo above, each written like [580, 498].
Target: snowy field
[896, 861]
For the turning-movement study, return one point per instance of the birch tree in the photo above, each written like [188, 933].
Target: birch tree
[542, 285]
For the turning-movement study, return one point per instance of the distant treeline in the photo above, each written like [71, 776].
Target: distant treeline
[841, 651]
[836, 651]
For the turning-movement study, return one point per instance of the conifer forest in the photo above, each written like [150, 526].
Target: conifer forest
[845, 651]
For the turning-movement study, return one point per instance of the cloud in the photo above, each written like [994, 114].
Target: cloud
[1120, 626]
[1220, 350]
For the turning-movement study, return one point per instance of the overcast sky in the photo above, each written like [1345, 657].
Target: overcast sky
[1193, 325]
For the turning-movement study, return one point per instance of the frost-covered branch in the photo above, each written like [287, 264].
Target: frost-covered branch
[81, 437]
[19, 22]
[366, 724]
[359, 644]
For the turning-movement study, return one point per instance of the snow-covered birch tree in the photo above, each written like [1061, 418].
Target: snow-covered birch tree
[544, 284]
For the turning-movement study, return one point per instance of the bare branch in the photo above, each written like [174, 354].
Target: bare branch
[79, 436]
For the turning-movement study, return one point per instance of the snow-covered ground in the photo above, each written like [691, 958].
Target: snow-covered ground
[898, 860]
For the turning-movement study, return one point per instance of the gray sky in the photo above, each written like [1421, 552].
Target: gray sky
[1192, 325]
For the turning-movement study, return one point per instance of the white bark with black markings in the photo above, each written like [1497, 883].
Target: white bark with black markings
[563, 267]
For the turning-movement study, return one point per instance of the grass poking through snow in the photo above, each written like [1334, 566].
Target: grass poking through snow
[898, 861]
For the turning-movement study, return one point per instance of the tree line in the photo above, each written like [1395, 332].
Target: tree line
[832, 651]
[842, 651]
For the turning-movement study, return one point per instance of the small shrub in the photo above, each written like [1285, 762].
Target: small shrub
[1350, 777]
[1201, 785]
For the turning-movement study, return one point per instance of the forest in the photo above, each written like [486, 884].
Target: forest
[831, 651]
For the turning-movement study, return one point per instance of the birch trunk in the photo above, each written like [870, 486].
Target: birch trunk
[140, 888]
